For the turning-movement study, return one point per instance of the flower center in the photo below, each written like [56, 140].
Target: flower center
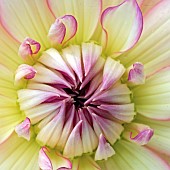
[76, 101]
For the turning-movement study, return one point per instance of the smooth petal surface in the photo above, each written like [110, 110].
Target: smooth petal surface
[9, 50]
[161, 139]
[28, 19]
[82, 11]
[110, 3]
[122, 26]
[19, 154]
[85, 163]
[152, 98]
[152, 50]
[146, 5]
[129, 156]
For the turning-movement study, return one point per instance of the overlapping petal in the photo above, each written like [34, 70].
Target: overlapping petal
[161, 139]
[28, 19]
[129, 156]
[153, 48]
[122, 27]
[152, 98]
[19, 153]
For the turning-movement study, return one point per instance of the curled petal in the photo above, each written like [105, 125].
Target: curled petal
[63, 29]
[82, 11]
[44, 161]
[50, 160]
[104, 150]
[136, 74]
[28, 47]
[23, 129]
[138, 133]
[122, 26]
[25, 71]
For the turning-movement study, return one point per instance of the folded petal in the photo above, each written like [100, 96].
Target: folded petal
[152, 99]
[49, 160]
[160, 141]
[122, 26]
[82, 11]
[28, 19]
[138, 133]
[104, 149]
[152, 50]
[130, 156]
[19, 154]
[62, 30]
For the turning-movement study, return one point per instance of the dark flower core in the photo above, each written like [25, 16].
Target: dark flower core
[77, 99]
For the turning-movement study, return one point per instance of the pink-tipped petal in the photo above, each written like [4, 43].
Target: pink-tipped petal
[82, 11]
[136, 74]
[133, 157]
[74, 146]
[104, 150]
[72, 55]
[23, 129]
[124, 112]
[57, 32]
[28, 19]
[52, 160]
[110, 129]
[28, 47]
[63, 29]
[142, 133]
[90, 54]
[25, 71]
[44, 161]
[122, 26]
[154, 56]
[53, 59]
[51, 132]
[113, 70]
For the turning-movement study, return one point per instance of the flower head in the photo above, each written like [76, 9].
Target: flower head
[84, 85]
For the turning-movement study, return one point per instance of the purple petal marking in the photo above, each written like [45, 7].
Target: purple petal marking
[136, 74]
[27, 47]
[143, 137]
[63, 29]
[134, 33]
[23, 129]
[143, 133]
[25, 71]
[43, 160]
[104, 150]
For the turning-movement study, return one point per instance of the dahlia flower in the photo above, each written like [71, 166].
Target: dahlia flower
[84, 84]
